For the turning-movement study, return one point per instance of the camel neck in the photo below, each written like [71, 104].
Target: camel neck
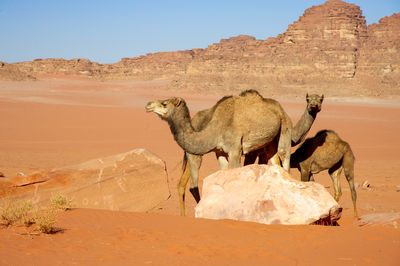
[302, 127]
[194, 142]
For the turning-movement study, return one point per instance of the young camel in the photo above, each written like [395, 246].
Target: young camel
[201, 119]
[326, 150]
[231, 128]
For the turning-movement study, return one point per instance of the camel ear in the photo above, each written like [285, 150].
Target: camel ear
[322, 98]
[307, 97]
[177, 102]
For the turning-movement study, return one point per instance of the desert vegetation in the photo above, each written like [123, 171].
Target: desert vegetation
[24, 213]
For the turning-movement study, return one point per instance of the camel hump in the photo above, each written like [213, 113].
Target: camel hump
[332, 137]
[325, 132]
[250, 93]
[223, 100]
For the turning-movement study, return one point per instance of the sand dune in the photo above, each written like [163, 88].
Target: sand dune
[55, 122]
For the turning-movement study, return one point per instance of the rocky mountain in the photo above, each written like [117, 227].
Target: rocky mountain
[13, 73]
[329, 48]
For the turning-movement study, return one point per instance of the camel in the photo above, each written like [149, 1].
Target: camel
[230, 128]
[201, 119]
[326, 150]
[299, 132]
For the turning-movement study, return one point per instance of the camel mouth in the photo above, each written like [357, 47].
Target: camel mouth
[155, 108]
[315, 108]
[149, 108]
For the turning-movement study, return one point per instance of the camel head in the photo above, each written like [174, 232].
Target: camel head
[314, 103]
[166, 109]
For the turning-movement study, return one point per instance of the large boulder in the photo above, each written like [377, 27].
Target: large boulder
[265, 194]
[131, 181]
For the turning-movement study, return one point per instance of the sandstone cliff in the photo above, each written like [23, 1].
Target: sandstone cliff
[329, 48]
[378, 66]
[13, 73]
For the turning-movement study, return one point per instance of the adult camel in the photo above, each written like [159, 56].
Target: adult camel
[201, 119]
[234, 127]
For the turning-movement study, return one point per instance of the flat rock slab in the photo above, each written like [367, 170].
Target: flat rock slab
[131, 181]
[388, 218]
[265, 194]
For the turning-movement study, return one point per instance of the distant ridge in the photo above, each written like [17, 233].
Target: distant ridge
[329, 48]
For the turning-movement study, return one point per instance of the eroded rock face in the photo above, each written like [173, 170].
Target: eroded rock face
[265, 194]
[380, 55]
[132, 181]
[10, 72]
[329, 48]
[319, 50]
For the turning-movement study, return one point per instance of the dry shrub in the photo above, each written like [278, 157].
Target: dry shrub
[60, 201]
[17, 213]
[23, 213]
[45, 220]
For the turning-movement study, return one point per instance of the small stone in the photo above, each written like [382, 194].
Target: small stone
[366, 185]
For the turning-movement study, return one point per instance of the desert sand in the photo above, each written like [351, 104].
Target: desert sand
[57, 121]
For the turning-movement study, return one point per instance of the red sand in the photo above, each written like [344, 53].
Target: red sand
[56, 122]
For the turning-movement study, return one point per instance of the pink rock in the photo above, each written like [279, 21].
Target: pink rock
[265, 194]
[131, 181]
[389, 218]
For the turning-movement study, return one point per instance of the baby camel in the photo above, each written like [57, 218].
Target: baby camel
[326, 150]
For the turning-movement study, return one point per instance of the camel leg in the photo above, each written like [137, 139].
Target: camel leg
[235, 155]
[270, 154]
[334, 172]
[305, 175]
[182, 187]
[284, 146]
[348, 166]
[275, 160]
[194, 165]
[222, 160]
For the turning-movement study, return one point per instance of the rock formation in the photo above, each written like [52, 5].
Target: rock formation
[77, 67]
[265, 194]
[329, 48]
[132, 181]
[379, 62]
[13, 73]
[388, 218]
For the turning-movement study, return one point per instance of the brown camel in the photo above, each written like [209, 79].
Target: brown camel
[299, 132]
[232, 128]
[201, 119]
[326, 151]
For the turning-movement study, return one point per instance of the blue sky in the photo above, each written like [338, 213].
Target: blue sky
[105, 31]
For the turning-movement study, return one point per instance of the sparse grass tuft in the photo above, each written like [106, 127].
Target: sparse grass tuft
[61, 202]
